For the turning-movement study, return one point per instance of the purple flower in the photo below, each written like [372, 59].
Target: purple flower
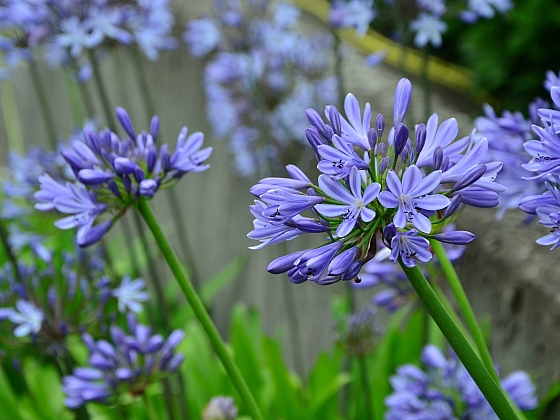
[202, 35]
[429, 29]
[409, 246]
[129, 364]
[411, 196]
[130, 294]
[444, 390]
[114, 173]
[27, 317]
[220, 408]
[355, 197]
[355, 204]
[356, 14]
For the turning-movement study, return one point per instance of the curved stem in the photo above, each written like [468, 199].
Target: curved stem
[466, 354]
[464, 307]
[44, 105]
[149, 407]
[366, 387]
[102, 91]
[199, 310]
[468, 314]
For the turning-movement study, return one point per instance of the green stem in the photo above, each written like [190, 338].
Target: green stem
[11, 118]
[9, 253]
[164, 316]
[464, 307]
[366, 387]
[199, 310]
[468, 314]
[152, 415]
[102, 91]
[486, 383]
[44, 105]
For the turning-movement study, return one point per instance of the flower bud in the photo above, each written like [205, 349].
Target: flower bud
[401, 136]
[471, 177]
[334, 118]
[372, 138]
[154, 127]
[284, 263]
[125, 121]
[380, 125]
[389, 232]
[420, 137]
[458, 237]
[148, 187]
[453, 206]
[342, 262]
[94, 176]
[438, 157]
[403, 94]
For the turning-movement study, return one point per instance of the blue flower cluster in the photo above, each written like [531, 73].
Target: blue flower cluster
[112, 173]
[360, 332]
[127, 365]
[403, 189]
[545, 163]
[64, 29]
[259, 75]
[446, 391]
[48, 305]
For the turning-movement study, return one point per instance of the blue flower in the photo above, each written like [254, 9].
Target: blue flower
[355, 203]
[130, 295]
[357, 199]
[113, 173]
[27, 317]
[428, 30]
[411, 197]
[127, 365]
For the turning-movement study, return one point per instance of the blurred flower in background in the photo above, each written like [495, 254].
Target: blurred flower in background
[260, 73]
[443, 389]
[220, 408]
[65, 30]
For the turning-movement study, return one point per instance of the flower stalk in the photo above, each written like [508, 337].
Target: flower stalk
[484, 380]
[199, 310]
[44, 105]
[468, 313]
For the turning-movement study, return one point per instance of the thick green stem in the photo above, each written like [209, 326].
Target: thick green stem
[43, 104]
[199, 310]
[468, 314]
[102, 92]
[466, 354]
[366, 387]
[464, 307]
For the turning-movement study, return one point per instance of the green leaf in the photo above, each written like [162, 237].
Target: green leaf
[288, 402]
[8, 402]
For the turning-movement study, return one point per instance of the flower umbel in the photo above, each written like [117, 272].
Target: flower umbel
[399, 190]
[113, 173]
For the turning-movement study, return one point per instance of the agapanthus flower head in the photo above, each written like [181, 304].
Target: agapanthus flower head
[114, 172]
[64, 30]
[220, 408]
[359, 333]
[443, 389]
[48, 302]
[258, 77]
[126, 365]
[428, 29]
[397, 190]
